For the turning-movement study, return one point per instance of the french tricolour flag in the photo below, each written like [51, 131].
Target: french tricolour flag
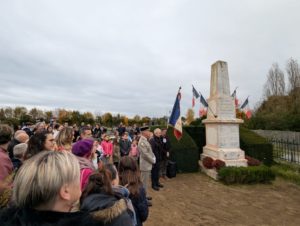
[175, 118]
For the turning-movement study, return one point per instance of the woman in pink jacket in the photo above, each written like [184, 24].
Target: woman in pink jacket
[107, 147]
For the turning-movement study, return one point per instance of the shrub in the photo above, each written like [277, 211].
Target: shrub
[184, 152]
[246, 175]
[208, 162]
[197, 133]
[256, 146]
[252, 161]
[218, 164]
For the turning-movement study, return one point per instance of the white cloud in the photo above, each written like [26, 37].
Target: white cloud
[131, 56]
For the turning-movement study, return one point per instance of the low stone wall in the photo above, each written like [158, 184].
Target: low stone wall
[279, 135]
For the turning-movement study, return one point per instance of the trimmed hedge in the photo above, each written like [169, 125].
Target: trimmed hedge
[198, 135]
[184, 152]
[256, 146]
[246, 175]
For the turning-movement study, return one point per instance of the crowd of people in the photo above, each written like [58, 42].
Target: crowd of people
[62, 175]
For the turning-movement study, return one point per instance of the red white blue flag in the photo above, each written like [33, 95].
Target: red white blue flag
[175, 118]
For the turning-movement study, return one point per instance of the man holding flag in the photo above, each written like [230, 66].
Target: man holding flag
[175, 118]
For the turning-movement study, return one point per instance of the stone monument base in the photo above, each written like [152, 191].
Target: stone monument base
[231, 156]
[210, 172]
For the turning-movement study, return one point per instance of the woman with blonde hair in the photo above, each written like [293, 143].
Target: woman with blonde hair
[64, 139]
[45, 189]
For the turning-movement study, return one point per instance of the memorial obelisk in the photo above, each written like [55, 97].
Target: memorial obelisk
[221, 125]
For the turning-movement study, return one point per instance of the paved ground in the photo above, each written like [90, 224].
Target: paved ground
[195, 199]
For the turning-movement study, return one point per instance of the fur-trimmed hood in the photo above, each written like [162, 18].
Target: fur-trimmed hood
[108, 214]
[107, 208]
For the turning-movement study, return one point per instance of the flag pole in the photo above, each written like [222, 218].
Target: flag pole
[215, 116]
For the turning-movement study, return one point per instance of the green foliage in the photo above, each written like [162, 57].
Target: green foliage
[198, 121]
[246, 175]
[198, 135]
[184, 152]
[256, 146]
[288, 171]
[277, 113]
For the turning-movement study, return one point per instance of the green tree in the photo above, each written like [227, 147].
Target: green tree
[107, 119]
[88, 118]
[19, 112]
[76, 117]
[145, 120]
[49, 116]
[8, 112]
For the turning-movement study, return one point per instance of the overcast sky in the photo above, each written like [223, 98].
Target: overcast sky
[130, 57]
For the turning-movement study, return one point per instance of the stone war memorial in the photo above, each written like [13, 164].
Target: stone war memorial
[221, 125]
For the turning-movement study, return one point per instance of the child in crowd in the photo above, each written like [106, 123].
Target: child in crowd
[19, 152]
[134, 151]
[84, 150]
[119, 190]
[130, 177]
[116, 152]
[107, 146]
[99, 196]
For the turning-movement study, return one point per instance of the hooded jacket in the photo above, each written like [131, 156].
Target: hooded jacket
[108, 209]
[20, 217]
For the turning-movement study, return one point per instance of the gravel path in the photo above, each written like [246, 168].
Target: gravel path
[195, 199]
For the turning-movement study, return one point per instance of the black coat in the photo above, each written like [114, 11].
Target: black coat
[125, 146]
[108, 208]
[10, 148]
[140, 205]
[28, 217]
[157, 148]
[166, 146]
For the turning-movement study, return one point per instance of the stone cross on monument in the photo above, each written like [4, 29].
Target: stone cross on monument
[221, 125]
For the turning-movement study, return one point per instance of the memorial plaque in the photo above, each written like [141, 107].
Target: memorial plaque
[226, 108]
[228, 136]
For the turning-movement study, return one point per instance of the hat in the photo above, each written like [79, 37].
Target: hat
[143, 128]
[82, 147]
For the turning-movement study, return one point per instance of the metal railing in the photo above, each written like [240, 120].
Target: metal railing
[286, 150]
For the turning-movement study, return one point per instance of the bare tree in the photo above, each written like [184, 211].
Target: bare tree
[293, 71]
[275, 85]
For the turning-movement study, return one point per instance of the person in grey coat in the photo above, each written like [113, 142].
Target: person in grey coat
[147, 158]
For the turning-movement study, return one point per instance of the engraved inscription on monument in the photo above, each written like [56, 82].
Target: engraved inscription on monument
[226, 108]
[228, 136]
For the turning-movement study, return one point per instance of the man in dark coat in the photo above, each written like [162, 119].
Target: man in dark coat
[157, 148]
[165, 153]
[125, 145]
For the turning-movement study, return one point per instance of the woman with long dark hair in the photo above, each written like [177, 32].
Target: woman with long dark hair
[40, 141]
[130, 177]
[98, 196]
